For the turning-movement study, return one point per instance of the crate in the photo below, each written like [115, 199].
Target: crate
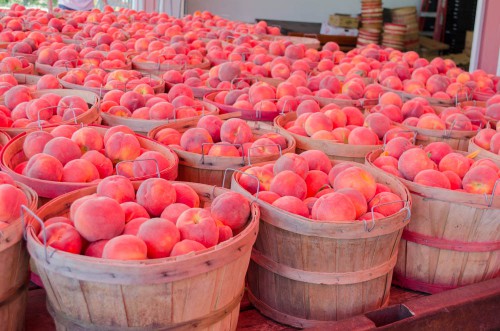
[343, 21]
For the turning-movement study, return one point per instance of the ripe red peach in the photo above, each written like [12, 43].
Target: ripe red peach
[35, 142]
[232, 209]
[235, 131]
[125, 247]
[79, 171]
[212, 124]
[412, 161]
[103, 165]
[455, 162]
[395, 147]
[317, 160]
[11, 200]
[117, 188]
[95, 248]
[194, 139]
[292, 205]
[88, 139]
[386, 203]
[155, 194]
[362, 136]
[198, 224]
[44, 166]
[333, 207]
[132, 227]
[186, 246]
[99, 218]
[256, 178]
[358, 179]
[434, 178]
[315, 181]
[289, 183]
[186, 194]
[437, 150]
[63, 237]
[122, 146]
[480, 180]
[160, 236]
[172, 212]
[293, 162]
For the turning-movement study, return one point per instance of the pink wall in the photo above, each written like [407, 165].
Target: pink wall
[490, 37]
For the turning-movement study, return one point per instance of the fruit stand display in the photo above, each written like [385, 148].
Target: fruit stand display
[311, 238]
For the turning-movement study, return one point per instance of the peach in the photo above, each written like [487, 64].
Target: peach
[6, 179]
[485, 162]
[316, 122]
[99, 218]
[358, 179]
[63, 149]
[133, 210]
[289, 183]
[38, 109]
[168, 136]
[125, 247]
[495, 143]
[186, 246]
[256, 178]
[35, 142]
[47, 56]
[172, 212]
[395, 147]
[307, 106]
[45, 167]
[11, 200]
[458, 122]
[229, 71]
[362, 136]
[150, 163]
[193, 140]
[63, 237]
[232, 209]
[16, 95]
[225, 232]
[369, 216]
[161, 111]
[434, 178]
[185, 194]
[354, 116]
[493, 111]
[122, 146]
[333, 207]
[64, 131]
[382, 188]
[180, 89]
[412, 161]
[95, 249]
[155, 194]
[235, 131]
[160, 236]
[390, 98]
[379, 123]
[386, 203]
[317, 160]
[292, 205]
[71, 102]
[335, 170]
[212, 124]
[103, 165]
[198, 224]
[117, 188]
[259, 92]
[132, 100]
[88, 139]
[316, 180]
[455, 162]
[79, 171]
[293, 162]
[119, 128]
[276, 138]
[437, 150]
[386, 160]
[132, 227]
[431, 122]
[480, 180]
[357, 199]
[47, 82]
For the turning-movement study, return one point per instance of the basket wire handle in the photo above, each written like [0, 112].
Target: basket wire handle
[24, 210]
[132, 161]
[248, 151]
[212, 144]
[406, 205]
[489, 198]
[242, 173]
[448, 132]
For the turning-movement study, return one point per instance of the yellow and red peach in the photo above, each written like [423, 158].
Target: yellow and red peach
[256, 178]
[133, 210]
[88, 139]
[455, 162]
[434, 178]
[437, 150]
[122, 146]
[212, 124]
[317, 160]
[289, 183]
[172, 212]
[358, 179]
[232, 209]
[315, 181]
[412, 161]
[363, 136]
[63, 237]
[293, 162]
[95, 249]
[35, 142]
[117, 188]
[11, 200]
[150, 163]
[168, 136]
[386, 203]
[103, 165]
[186, 246]
[79, 171]
[193, 140]
[480, 180]
[292, 205]
[235, 131]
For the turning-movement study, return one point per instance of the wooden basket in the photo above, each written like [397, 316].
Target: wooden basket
[4, 139]
[432, 101]
[199, 291]
[457, 139]
[206, 169]
[198, 91]
[144, 126]
[246, 114]
[44, 69]
[14, 270]
[304, 273]
[13, 154]
[88, 117]
[334, 150]
[483, 153]
[101, 91]
[453, 238]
